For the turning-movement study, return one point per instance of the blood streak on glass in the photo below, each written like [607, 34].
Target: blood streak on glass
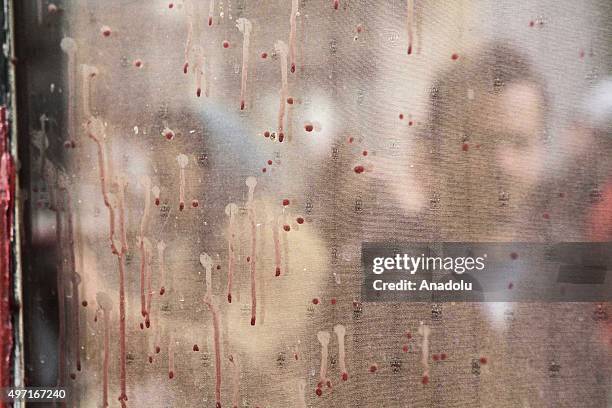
[251, 182]
[292, 24]
[245, 28]
[230, 210]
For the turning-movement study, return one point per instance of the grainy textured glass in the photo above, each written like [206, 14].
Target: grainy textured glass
[266, 140]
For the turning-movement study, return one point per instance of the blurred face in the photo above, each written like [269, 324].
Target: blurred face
[515, 118]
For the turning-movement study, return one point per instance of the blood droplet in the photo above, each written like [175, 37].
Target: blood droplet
[455, 57]
[264, 55]
[425, 380]
[226, 44]
[308, 127]
[286, 227]
[359, 169]
[300, 220]
[315, 301]
[106, 31]
[483, 360]
[196, 348]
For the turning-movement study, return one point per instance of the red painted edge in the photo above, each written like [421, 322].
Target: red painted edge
[7, 203]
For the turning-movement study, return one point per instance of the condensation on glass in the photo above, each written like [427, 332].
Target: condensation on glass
[203, 174]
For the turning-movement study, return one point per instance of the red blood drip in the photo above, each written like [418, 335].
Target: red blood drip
[209, 21]
[359, 169]
[269, 162]
[410, 49]
[150, 359]
[169, 135]
[435, 357]
[300, 220]
[185, 67]
[292, 68]
[248, 259]
[138, 64]
[455, 57]
[401, 116]
[315, 301]
[278, 271]
[286, 202]
[336, 4]
[359, 29]
[196, 348]
[171, 5]
[171, 374]
[181, 206]
[531, 23]
[410, 123]
[373, 368]
[106, 32]
[199, 92]
[242, 105]
[281, 137]
[141, 326]
[84, 303]
[195, 203]
[162, 290]
[365, 153]
[333, 301]
[483, 360]
[286, 227]
[308, 127]
[252, 321]
[290, 100]
[344, 376]
[147, 322]
[157, 201]
[263, 170]
[425, 380]
[405, 348]
[229, 298]
[157, 349]
[319, 392]
[443, 356]
[350, 139]
[266, 134]
[226, 44]
[465, 147]
[264, 55]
